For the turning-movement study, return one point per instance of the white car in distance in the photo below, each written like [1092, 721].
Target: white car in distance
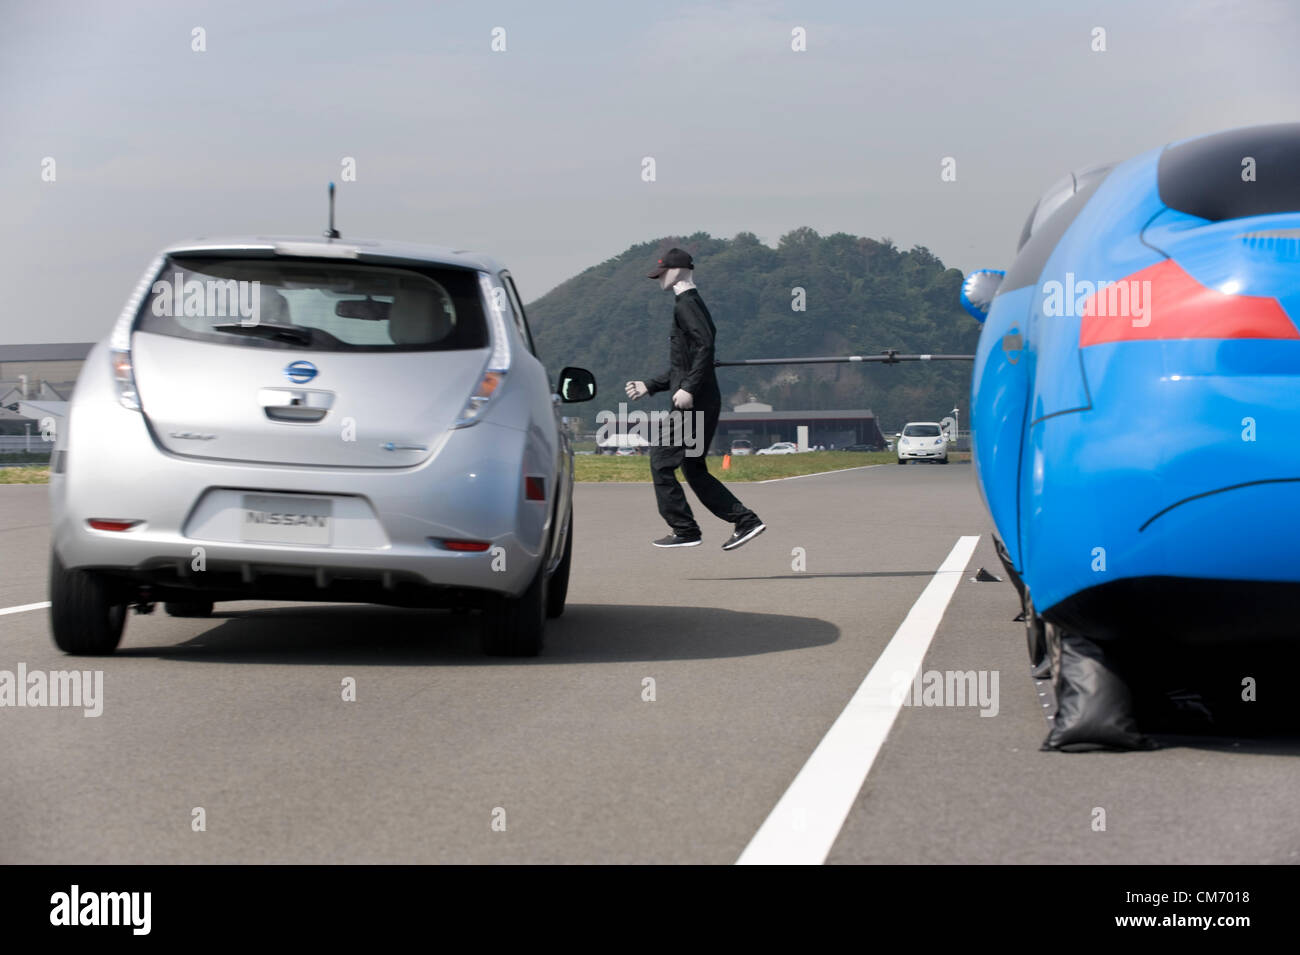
[781, 447]
[922, 441]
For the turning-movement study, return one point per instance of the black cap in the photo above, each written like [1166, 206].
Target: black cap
[674, 258]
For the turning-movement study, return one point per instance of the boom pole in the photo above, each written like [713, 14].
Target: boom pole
[888, 357]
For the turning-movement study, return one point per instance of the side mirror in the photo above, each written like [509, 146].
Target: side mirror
[978, 290]
[576, 384]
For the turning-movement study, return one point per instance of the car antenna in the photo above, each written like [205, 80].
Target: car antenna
[331, 232]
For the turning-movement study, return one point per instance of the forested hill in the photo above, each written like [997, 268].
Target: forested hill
[860, 296]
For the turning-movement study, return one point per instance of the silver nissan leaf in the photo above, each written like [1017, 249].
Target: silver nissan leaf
[315, 419]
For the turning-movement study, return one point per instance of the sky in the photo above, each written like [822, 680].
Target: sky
[536, 153]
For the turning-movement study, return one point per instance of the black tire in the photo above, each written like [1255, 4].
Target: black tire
[1036, 642]
[557, 590]
[901, 461]
[943, 460]
[515, 626]
[86, 614]
[188, 608]
[1052, 650]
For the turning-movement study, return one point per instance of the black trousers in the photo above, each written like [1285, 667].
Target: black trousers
[670, 453]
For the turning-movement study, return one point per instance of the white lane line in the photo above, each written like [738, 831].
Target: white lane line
[24, 608]
[865, 467]
[805, 822]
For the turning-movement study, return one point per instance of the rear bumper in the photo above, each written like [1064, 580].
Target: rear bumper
[471, 489]
[1185, 612]
[1174, 473]
[1104, 531]
[163, 579]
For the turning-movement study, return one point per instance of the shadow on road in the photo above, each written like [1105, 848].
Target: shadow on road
[1263, 742]
[350, 635]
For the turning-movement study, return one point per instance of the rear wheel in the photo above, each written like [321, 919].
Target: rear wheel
[86, 615]
[188, 608]
[1036, 640]
[557, 590]
[514, 626]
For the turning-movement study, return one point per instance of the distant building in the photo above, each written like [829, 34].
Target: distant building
[11, 422]
[40, 410]
[762, 427]
[43, 372]
[36, 382]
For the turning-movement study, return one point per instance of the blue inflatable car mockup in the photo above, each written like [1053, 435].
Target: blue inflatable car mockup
[1136, 398]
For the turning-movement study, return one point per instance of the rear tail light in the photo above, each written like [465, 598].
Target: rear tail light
[1163, 301]
[464, 545]
[120, 341]
[112, 524]
[482, 394]
[496, 303]
[534, 488]
[124, 379]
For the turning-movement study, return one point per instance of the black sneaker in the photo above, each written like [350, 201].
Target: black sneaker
[677, 540]
[745, 531]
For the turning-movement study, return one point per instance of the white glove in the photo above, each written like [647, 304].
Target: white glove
[682, 399]
[636, 389]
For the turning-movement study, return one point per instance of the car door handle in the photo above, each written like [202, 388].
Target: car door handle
[294, 404]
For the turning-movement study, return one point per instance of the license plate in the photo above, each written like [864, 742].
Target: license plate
[286, 520]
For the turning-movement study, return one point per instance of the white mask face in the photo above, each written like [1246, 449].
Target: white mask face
[672, 277]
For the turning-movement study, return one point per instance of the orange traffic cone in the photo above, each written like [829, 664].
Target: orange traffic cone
[726, 462]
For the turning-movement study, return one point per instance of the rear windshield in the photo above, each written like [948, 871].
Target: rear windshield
[1040, 235]
[921, 431]
[1243, 172]
[314, 305]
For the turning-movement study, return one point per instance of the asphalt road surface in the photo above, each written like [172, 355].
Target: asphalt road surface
[766, 714]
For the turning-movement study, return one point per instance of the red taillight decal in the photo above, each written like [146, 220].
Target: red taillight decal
[102, 524]
[475, 546]
[535, 488]
[1175, 305]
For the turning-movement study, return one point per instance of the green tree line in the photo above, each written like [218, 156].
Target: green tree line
[859, 296]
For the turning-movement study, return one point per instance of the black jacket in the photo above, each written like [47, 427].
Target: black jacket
[690, 352]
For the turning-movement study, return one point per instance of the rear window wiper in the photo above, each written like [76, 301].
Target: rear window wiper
[285, 333]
